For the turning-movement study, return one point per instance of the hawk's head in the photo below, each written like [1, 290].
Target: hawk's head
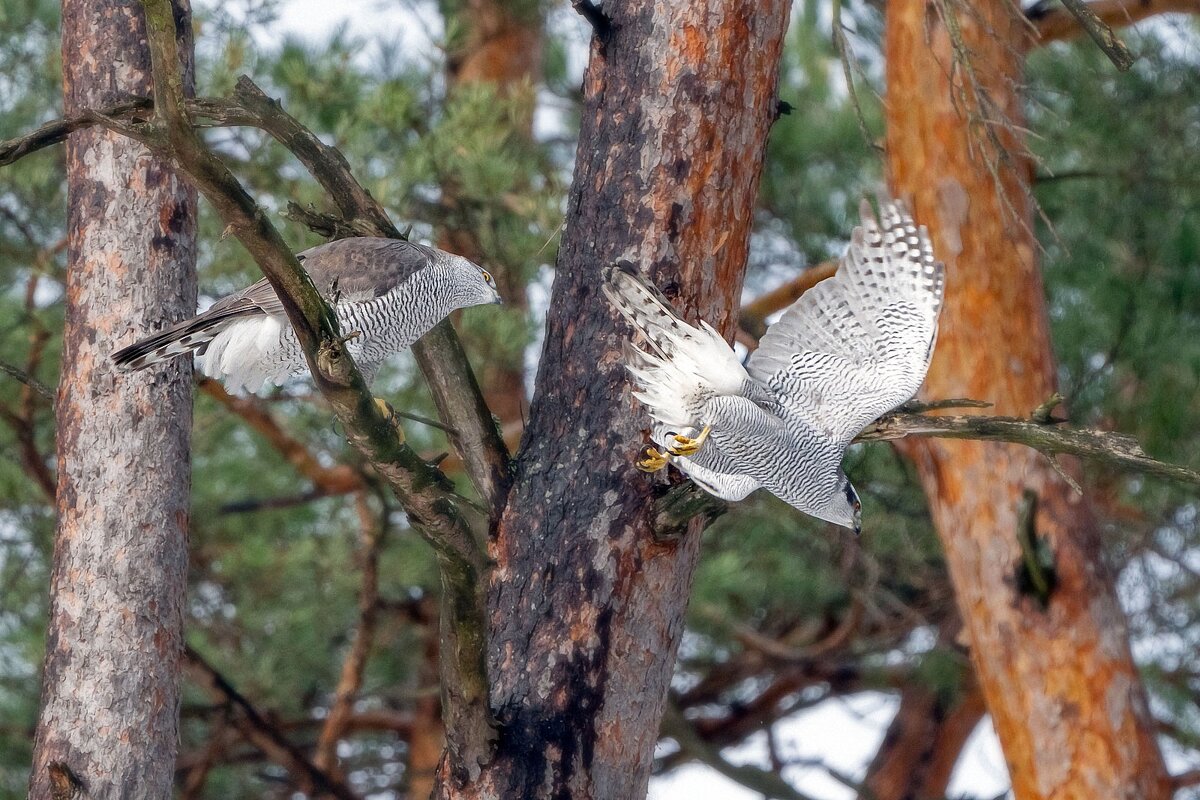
[472, 284]
[843, 507]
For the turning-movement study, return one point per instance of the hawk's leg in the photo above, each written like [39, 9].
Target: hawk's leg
[385, 408]
[652, 460]
[686, 445]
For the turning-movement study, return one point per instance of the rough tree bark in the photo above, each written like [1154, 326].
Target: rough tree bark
[1059, 680]
[110, 687]
[586, 608]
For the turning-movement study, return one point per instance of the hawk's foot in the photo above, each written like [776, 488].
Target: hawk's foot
[385, 408]
[686, 445]
[652, 460]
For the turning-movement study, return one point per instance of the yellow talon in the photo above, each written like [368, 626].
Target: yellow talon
[652, 460]
[385, 408]
[686, 445]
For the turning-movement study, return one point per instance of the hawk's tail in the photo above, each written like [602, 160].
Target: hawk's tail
[648, 311]
[682, 366]
[193, 335]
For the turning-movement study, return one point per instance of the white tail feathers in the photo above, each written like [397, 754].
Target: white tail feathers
[250, 353]
[682, 366]
[186, 337]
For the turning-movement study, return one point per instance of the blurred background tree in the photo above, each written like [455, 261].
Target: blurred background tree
[312, 600]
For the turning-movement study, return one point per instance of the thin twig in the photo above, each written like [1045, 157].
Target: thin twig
[57, 131]
[1108, 42]
[374, 530]
[259, 731]
[842, 47]
[334, 480]
[693, 746]
[27, 379]
[601, 24]
[1054, 24]
[1113, 449]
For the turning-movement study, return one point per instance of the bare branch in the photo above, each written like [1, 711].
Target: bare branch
[253, 505]
[601, 24]
[57, 131]
[24, 377]
[259, 731]
[1105, 447]
[789, 653]
[338, 479]
[1056, 24]
[1186, 780]
[374, 529]
[1116, 50]
[693, 746]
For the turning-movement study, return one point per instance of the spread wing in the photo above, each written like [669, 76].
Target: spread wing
[858, 344]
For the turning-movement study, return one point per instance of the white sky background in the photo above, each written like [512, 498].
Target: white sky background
[842, 733]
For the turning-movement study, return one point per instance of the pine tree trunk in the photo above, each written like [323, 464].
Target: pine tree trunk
[1059, 680]
[586, 607]
[110, 687]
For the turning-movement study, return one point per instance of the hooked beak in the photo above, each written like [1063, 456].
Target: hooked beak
[499, 300]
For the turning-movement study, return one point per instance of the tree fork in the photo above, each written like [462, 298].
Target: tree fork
[585, 606]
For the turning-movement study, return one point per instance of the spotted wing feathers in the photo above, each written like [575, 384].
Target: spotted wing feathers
[858, 344]
[884, 299]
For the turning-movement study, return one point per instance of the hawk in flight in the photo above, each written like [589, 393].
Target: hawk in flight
[388, 291]
[852, 348]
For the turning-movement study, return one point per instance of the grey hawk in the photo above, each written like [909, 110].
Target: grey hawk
[388, 291]
[852, 348]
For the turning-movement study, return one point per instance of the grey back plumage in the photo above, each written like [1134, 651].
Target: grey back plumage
[348, 270]
[388, 291]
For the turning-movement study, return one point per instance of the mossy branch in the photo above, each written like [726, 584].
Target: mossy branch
[439, 353]
[1045, 435]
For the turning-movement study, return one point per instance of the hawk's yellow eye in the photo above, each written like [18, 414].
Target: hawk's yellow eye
[487, 276]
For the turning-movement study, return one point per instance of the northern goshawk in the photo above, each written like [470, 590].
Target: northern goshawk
[852, 348]
[387, 291]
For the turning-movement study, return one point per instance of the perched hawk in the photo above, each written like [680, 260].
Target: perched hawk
[388, 291]
[852, 348]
